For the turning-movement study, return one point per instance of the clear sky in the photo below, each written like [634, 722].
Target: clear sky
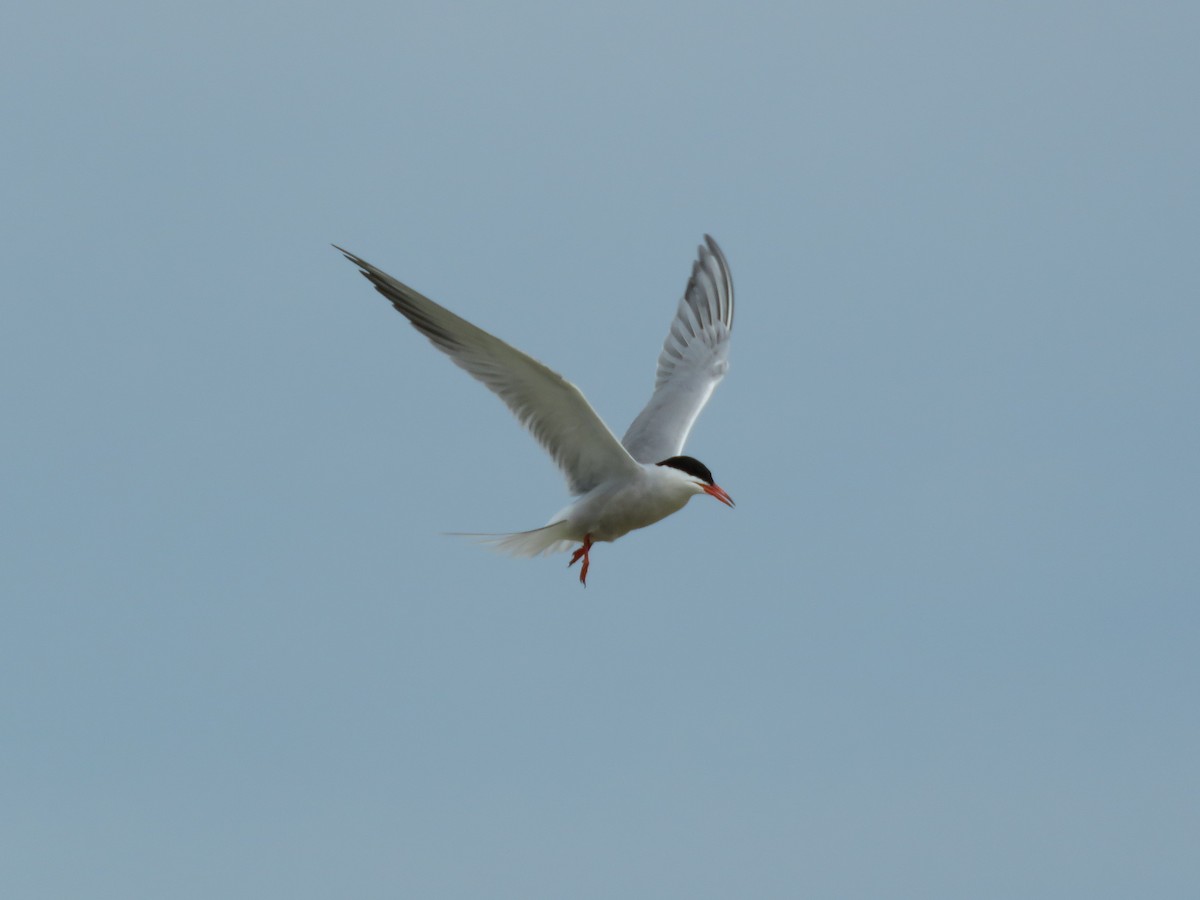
[945, 647]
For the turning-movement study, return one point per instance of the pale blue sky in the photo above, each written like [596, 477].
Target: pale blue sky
[945, 647]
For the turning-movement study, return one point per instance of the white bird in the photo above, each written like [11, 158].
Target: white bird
[618, 485]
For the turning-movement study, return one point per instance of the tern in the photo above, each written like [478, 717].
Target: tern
[618, 486]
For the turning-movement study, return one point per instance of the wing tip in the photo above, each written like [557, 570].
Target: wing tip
[364, 267]
[721, 278]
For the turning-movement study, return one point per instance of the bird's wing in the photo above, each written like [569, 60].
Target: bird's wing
[694, 358]
[547, 404]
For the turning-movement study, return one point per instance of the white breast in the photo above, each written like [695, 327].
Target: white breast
[616, 508]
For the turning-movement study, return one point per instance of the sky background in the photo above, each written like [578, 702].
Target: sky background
[947, 645]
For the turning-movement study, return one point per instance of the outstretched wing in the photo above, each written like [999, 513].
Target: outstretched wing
[694, 358]
[547, 404]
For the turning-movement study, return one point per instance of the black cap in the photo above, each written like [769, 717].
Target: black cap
[691, 466]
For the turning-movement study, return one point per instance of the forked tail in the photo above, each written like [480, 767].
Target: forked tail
[540, 542]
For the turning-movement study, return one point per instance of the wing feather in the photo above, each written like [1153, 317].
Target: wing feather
[694, 359]
[552, 408]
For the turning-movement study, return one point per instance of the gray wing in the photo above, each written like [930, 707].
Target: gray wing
[694, 359]
[552, 408]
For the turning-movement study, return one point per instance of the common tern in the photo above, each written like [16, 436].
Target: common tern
[621, 485]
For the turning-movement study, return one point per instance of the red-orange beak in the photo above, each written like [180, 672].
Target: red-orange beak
[719, 492]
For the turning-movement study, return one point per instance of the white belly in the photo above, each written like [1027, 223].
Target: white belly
[610, 511]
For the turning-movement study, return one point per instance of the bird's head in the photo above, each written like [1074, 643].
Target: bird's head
[697, 473]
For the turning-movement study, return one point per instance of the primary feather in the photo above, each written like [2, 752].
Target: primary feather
[694, 359]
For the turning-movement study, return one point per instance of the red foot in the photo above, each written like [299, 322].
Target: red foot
[582, 552]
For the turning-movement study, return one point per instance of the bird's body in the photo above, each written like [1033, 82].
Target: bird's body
[608, 511]
[615, 508]
[622, 485]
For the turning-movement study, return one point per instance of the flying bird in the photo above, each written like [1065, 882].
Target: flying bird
[618, 486]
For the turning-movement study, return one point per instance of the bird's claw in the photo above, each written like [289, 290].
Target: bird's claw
[582, 553]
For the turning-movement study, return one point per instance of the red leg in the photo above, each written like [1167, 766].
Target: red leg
[582, 552]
